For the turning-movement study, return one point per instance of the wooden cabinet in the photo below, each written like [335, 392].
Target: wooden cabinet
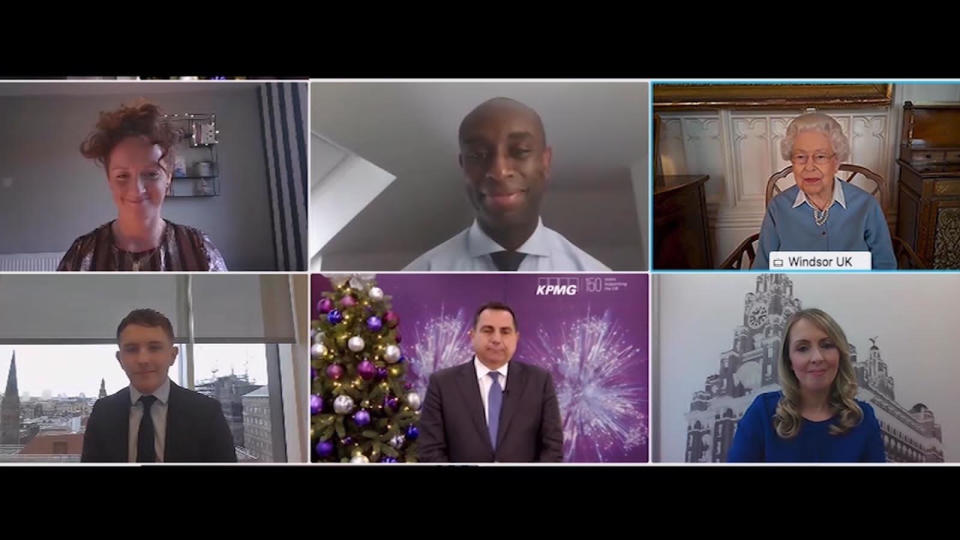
[680, 234]
[928, 207]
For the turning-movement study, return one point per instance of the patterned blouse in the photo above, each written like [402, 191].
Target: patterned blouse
[181, 249]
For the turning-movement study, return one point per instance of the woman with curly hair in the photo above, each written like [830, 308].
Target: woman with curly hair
[135, 146]
[815, 416]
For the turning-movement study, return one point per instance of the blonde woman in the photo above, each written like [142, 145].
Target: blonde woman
[814, 418]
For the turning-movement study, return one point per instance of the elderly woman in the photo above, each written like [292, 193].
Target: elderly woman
[815, 416]
[822, 212]
[135, 147]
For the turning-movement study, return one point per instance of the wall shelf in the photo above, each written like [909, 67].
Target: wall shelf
[197, 169]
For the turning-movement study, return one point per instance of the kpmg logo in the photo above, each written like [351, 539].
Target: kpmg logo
[557, 286]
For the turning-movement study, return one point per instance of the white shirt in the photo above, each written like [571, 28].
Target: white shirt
[158, 412]
[546, 249]
[837, 196]
[486, 382]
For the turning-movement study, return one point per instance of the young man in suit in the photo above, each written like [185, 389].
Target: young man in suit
[154, 420]
[491, 408]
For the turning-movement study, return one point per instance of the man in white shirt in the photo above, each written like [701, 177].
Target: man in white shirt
[491, 408]
[506, 160]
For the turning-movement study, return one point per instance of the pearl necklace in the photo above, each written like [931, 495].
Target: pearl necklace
[820, 216]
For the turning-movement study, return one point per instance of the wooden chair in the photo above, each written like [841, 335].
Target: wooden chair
[906, 256]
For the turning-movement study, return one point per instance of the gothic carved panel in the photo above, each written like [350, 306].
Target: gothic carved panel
[751, 156]
[946, 252]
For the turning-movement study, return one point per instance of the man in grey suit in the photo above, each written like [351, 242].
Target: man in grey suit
[491, 409]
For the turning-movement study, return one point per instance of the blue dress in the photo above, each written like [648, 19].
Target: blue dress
[756, 440]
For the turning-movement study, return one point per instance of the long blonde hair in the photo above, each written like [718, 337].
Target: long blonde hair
[787, 419]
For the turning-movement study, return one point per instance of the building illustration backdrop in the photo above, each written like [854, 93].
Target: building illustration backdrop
[750, 367]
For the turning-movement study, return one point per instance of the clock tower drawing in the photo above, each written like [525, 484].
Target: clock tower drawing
[750, 367]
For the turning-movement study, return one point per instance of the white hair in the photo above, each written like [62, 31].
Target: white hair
[816, 122]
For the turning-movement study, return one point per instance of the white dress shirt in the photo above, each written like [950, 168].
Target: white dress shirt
[486, 382]
[469, 251]
[158, 412]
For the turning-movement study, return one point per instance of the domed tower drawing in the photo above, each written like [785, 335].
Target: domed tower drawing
[750, 367]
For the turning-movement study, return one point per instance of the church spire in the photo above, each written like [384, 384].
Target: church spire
[10, 407]
[12, 378]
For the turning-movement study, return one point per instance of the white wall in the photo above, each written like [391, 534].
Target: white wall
[914, 316]
[341, 185]
[739, 149]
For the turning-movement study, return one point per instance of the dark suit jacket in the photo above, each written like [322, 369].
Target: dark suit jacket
[453, 427]
[196, 432]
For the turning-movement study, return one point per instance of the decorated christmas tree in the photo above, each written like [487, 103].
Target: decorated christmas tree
[362, 408]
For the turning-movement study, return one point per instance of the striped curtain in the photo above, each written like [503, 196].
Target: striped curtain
[283, 108]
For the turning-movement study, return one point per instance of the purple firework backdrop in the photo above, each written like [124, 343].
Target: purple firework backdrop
[594, 343]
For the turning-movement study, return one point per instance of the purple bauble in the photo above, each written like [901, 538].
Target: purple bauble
[324, 305]
[313, 373]
[412, 432]
[334, 317]
[346, 441]
[334, 372]
[374, 324]
[348, 301]
[382, 373]
[324, 448]
[388, 459]
[366, 370]
[391, 319]
[316, 404]
[402, 359]
[391, 402]
[361, 417]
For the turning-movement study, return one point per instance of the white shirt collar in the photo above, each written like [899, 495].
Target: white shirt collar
[478, 243]
[482, 370]
[837, 195]
[162, 393]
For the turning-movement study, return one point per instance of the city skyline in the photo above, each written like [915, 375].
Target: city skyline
[47, 429]
[48, 367]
